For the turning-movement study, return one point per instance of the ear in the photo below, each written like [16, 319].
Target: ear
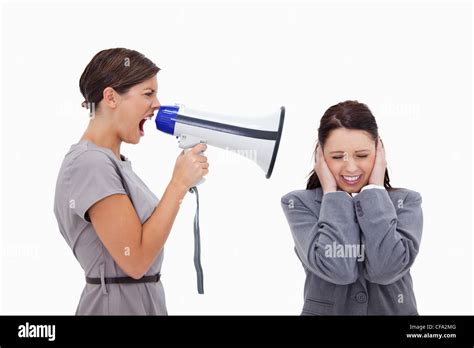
[110, 97]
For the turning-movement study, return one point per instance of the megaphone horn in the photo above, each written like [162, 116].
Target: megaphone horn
[261, 135]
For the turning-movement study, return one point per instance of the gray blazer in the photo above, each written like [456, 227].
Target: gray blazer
[356, 251]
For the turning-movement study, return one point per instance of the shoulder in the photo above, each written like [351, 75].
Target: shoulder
[92, 162]
[91, 156]
[87, 153]
[304, 197]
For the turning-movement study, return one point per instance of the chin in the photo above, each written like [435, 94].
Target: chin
[131, 140]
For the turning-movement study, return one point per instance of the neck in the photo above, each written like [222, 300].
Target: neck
[101, 134]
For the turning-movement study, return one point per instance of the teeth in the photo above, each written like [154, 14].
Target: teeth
[351, 178]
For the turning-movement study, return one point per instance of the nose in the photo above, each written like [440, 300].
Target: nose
[156, 104]
[350, 166]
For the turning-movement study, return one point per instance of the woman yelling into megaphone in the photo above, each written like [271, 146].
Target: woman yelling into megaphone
[356, 236]
[114, 224]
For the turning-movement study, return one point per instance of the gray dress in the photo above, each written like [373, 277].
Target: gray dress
[88, 174]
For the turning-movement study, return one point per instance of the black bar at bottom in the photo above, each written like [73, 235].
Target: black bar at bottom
[288, 330]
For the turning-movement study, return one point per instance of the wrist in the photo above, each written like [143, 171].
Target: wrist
[327, 190]
[178, 187]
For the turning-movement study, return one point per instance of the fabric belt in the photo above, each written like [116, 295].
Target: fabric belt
[125, 280]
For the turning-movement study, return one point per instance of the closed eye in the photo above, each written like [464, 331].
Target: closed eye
[149, 94]
[339, 157]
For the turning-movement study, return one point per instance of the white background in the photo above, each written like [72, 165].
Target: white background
[410, 63]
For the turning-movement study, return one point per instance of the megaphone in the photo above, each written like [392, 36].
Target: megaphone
[261, 135]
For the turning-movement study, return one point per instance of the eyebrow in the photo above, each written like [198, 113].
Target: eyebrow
[151, 89]
[345, 151]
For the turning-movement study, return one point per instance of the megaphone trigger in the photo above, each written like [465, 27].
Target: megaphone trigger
[187, 141]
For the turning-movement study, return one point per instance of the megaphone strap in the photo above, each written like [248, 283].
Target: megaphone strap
[197, 245]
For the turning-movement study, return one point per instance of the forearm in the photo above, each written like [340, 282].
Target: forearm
[318, 239]
[391, 236]
[337, 230]
[156, 229]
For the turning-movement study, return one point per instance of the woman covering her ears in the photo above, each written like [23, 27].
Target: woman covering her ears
[114, 224]
[355, 235]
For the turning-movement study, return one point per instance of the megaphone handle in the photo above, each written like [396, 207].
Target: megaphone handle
[200, 182]
[197, 245]
[202, 179]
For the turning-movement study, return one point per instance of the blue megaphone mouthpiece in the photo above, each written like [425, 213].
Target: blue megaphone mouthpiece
[166, 118]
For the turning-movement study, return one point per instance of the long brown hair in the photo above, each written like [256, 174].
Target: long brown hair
[351, 115]
[119, 68]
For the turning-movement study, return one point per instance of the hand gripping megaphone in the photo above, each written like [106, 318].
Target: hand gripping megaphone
[260, 135]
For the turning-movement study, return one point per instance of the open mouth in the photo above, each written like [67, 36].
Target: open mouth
[351, 180]
[142, 123]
